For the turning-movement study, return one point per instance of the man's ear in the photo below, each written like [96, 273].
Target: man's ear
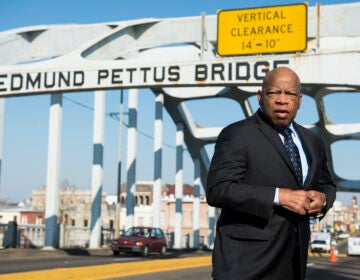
[259, 95]
[300, 101]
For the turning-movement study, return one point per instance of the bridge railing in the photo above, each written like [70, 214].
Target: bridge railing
[33, 236]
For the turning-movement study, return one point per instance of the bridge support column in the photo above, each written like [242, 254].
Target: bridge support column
[158, 138]
[196, 203]
[179, 184]
[2, 117]
[97, 169]
[211, 227]
[131, 158]
[53, 171]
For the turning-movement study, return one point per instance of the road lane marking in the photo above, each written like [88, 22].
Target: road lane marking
[111, 270]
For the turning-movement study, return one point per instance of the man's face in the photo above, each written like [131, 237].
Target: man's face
[280, 97]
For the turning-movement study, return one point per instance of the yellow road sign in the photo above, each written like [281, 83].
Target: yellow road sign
[262, 30]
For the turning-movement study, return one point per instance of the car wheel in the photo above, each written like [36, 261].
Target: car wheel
[163, 250]
[116, 253]
[146, 251]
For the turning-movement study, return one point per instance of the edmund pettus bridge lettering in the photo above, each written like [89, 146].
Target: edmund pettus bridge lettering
[36, 82]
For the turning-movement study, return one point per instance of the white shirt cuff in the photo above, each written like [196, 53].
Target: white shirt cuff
[276, 198]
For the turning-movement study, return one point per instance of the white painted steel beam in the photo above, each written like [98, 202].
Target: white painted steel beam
[196, 203]
[212, 226]
[179, 182]
[158, 144]
[53, 173]
[97, 169]
[131, 158]
[2, 118]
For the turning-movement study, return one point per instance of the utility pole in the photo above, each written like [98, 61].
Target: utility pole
[118, 204]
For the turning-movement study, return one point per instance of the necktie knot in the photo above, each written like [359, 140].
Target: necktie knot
[286, 132]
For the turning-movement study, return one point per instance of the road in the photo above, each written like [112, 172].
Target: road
[319, 268]
[344, 269]
[174, 266]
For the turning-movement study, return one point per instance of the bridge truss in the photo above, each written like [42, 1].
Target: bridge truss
[176, 58]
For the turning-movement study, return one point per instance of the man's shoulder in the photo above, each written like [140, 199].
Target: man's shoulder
[245, 123]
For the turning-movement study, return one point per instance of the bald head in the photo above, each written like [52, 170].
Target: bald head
[281, 72]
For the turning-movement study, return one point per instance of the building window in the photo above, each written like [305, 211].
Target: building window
[122, 200]
[38, 220]
[111, 223]
[86, 223]
[147, 198]
[141, 200]
[72, 222]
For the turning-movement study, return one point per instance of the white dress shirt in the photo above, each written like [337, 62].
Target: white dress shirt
[303, 159]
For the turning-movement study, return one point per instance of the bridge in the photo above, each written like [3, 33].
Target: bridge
[178, 60]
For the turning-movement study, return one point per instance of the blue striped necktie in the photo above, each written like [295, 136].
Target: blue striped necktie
[293, 152]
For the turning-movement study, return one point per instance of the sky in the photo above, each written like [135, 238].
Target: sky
[24, 161]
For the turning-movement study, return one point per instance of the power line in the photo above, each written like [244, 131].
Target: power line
[114, 116]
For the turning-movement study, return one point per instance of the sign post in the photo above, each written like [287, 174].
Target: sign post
[262, 30]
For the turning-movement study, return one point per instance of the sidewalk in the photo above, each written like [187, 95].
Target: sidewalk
[24, 253]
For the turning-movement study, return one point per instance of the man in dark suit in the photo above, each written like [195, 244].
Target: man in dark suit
[266, 197]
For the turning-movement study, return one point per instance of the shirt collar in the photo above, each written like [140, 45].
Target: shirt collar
[292, 128]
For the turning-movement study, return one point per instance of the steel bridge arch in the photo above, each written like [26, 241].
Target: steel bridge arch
[328, 65]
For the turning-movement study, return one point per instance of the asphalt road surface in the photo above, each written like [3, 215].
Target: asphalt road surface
[174, 266]
[319, 268]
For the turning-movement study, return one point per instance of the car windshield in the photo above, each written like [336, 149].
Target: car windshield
[137, 232]
[319, 242]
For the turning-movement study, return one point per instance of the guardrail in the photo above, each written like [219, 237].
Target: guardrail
[13, 235]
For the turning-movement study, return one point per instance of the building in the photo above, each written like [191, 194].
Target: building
[74, 207]
[340, 218]
[75, 213]
[144, 210]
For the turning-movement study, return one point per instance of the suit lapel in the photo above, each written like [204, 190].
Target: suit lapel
[273, 137]
[309, 151]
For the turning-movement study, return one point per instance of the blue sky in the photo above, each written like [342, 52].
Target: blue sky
[26, 118]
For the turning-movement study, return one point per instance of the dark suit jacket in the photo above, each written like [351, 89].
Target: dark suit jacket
[254, 238]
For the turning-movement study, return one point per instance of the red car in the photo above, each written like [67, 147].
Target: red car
[140, 240]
